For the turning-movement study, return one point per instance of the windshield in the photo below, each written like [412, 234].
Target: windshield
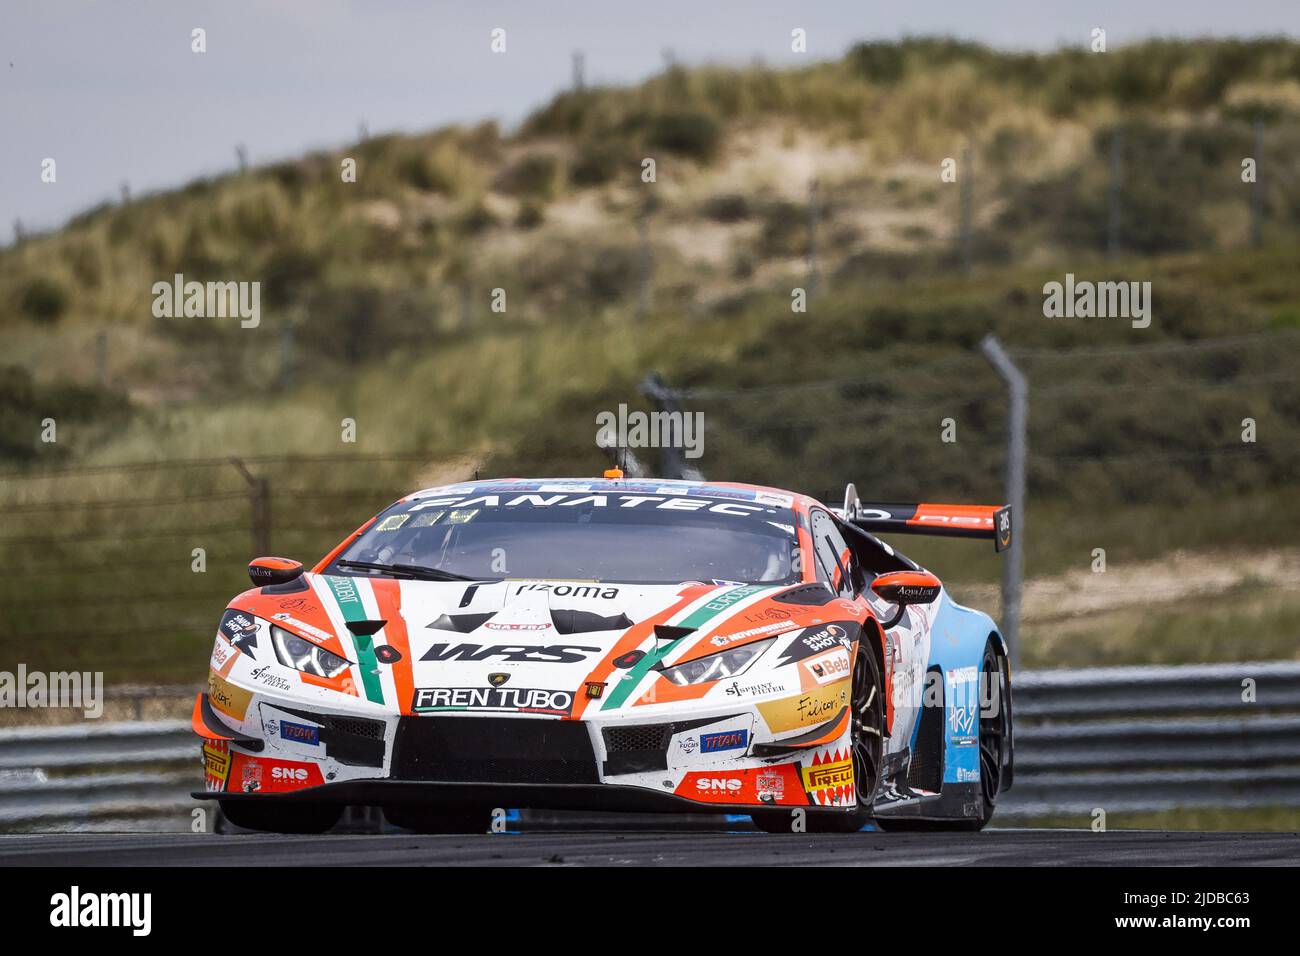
[624, 537]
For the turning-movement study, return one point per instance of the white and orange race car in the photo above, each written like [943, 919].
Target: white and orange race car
[612, 644]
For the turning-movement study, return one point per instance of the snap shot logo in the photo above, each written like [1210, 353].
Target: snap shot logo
[208, 300]
[624, 429]
[1102, 300]
[76, 909]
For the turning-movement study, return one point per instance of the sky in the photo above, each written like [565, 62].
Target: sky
[111, 90]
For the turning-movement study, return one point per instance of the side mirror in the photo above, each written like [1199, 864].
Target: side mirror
[904, 588]
[273, 570]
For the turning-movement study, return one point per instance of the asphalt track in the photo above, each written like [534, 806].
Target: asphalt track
[660, 848]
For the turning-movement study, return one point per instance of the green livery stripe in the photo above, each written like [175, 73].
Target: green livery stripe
[349, 602]
[701, 615]
[618, 696]
[718, 604]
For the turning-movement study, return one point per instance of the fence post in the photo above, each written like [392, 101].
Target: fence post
[1017, 446]
[647, 263]
[1112, 198]
[967, 212]
[101, 359]
[1257, 188]
[814, 274]
[259, 500]
[672, 461]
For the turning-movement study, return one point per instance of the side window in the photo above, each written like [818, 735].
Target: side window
[831, 551]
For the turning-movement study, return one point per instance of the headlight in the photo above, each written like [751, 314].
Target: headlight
[303, 655]
[716, 666]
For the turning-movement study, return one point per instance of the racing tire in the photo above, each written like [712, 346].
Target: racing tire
[281, 816]
[867, 739]
[422, 819]
[994, 738]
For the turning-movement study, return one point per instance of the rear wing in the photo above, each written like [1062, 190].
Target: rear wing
[955, 521]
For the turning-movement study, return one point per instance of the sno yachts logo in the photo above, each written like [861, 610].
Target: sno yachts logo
[492, 698]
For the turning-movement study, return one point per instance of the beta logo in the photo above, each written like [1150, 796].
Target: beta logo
[829, 667]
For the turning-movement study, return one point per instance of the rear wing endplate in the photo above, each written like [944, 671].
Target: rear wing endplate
[955, 521]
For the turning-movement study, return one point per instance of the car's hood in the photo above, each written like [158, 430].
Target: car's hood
[556, 648]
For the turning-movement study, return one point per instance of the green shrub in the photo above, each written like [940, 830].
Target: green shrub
[44, 299]
[535, 175]
[691, 134]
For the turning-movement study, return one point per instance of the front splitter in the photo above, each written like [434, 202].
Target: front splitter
[605, 796]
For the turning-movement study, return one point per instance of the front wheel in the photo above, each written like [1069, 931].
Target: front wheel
[867, 741]
[274, 815]
[994, 741]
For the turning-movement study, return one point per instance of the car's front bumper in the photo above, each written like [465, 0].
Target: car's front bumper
[697, 761]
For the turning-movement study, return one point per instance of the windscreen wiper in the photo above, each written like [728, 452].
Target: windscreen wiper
[410, 570]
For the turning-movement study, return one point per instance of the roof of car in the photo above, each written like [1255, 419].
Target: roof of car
[642, 486]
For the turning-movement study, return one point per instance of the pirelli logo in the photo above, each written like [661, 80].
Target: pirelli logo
[827, 775]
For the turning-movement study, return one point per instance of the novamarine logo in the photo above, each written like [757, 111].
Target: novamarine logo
[492, 698]
[512, 653]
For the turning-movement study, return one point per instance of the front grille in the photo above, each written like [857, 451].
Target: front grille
[642, 748]
[356, 741]
[355, 726]
[638, 737]
[493, 750]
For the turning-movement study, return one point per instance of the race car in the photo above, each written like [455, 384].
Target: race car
[612, 644]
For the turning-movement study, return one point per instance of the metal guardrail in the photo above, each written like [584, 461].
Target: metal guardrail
[1138, 739]
[1122, 739]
